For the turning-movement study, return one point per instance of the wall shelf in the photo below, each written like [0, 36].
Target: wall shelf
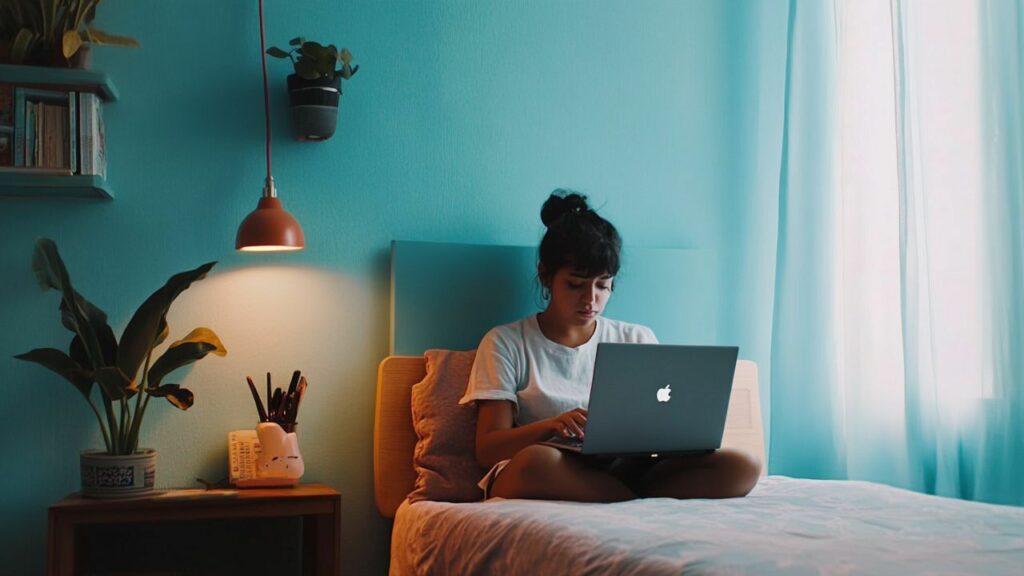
[60, 79]
[28, 185]
[20, 182]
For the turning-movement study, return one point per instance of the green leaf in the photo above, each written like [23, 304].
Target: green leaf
[325, 68]
[149, 323]
[312, 50]
[48, 266]
[114, 384]
[175, 394]
[78, 353]
[97, 36]
[195, 346]
[63, 365]
[276, 52]
[165, 331]
[306, 69]
[90, 11]
[108, 344]
[23, 44]
[70, 43]
[95, 317]
[78, 314]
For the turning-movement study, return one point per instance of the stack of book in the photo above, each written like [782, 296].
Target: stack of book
[51, 131]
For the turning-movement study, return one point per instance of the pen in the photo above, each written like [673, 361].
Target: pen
[269, 397]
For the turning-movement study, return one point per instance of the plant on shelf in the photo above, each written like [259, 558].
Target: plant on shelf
[50, 32]
[95, 356]
[314, 90]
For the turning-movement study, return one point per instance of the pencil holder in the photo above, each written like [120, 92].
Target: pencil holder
[279, 454]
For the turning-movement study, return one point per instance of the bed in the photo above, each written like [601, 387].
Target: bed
[785, 526]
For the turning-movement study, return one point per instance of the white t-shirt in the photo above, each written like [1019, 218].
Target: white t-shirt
[542, 379]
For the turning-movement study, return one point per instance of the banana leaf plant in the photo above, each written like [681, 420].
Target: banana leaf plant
[96, 357]
[51, 26]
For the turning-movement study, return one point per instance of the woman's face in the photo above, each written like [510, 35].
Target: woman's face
[576, 299]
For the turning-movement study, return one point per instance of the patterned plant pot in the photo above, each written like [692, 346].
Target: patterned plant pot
[118, 476]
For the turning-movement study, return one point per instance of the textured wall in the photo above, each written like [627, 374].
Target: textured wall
[463, 117]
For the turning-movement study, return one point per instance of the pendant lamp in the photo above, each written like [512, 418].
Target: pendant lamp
[268, 228]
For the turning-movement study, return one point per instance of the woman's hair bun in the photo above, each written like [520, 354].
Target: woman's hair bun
[560, 203]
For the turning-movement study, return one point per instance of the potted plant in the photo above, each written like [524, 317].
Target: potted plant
[53, 33]
[314, 90]
[125, 369]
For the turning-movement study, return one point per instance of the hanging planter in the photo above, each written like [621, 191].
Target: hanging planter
[314, 90]
[314, 106]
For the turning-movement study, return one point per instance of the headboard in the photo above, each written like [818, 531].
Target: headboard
[394, 438]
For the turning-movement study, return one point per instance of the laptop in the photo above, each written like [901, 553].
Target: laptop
[656, 399]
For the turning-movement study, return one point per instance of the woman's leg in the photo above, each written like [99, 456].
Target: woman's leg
[721, 474]
[547, 473]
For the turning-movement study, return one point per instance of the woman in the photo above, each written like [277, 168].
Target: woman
[531, 382]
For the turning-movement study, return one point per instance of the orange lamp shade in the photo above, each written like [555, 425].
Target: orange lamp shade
[269, 228]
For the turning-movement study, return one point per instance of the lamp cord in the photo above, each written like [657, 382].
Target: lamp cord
[266, 96]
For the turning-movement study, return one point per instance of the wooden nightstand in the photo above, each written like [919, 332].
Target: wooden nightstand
[319, 507]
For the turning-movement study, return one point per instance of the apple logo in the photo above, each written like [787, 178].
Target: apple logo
[663, 393]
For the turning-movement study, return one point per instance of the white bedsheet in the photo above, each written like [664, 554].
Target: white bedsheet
[785, 526]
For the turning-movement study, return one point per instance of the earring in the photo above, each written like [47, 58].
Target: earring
[545, 293]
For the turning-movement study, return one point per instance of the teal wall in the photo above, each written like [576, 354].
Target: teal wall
[462, 118]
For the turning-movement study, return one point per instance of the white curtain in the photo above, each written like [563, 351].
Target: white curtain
[896, 327]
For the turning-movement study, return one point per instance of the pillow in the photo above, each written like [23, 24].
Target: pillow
[444, 458]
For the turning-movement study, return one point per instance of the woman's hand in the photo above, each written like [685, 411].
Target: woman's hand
[498, 438]
[570, 424]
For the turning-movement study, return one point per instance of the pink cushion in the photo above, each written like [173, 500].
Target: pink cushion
[445, 460]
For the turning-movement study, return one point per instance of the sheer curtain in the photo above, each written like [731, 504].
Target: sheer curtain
[897, 335]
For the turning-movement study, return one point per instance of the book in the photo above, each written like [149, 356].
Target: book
[30, 134]
[6, 149]
[71, 143]
[6, 125]
[91, 135]
[19, 126]
[38, 137]
[101, 146]
[6, 105]
[48, 157]
[84, 135]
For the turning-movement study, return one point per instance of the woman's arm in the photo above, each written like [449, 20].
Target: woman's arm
[497, 438]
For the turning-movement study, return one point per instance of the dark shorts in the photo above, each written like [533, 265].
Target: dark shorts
[630, 470]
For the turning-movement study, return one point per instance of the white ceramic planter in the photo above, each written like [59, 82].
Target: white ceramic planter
[118, 476]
